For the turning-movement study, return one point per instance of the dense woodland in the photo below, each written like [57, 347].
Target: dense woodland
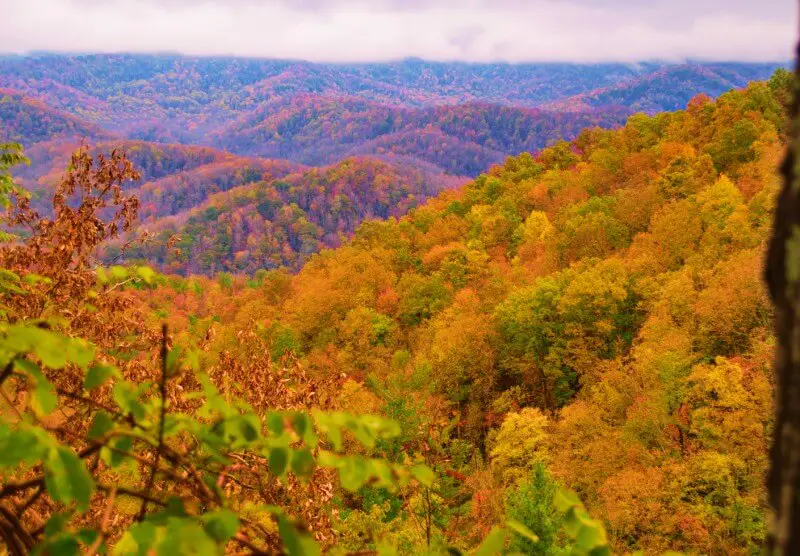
[578, 331]
[251, 213]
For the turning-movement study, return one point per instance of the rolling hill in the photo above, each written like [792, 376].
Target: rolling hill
[28, 120]
[462, 139]
[668, 88]
[184, 99]
[173, 177]
[257, 221]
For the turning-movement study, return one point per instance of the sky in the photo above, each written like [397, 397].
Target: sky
[376, 30]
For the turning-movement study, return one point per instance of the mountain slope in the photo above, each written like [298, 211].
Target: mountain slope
[180, 98]
[462, 139]
[30, 121]
[187, 189]
[668, 88]
[270, 222]
[592, 315]
[173, 177]
[277, 211]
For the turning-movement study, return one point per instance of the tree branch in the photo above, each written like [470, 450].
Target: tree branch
[6, 372]
[162, 418]
[19, 529]
[103, 524]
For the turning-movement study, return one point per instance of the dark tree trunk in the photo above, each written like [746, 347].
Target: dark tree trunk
[783, 279]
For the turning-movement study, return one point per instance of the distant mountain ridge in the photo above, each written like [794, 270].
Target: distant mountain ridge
[668, 88]
[250, 164]
[191, 83]
[182, 98]
[463, 139]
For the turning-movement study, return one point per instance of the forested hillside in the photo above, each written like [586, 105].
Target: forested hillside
[667, 88]
[240, 213]
[265, 222]
[196, 168]
[592, 316]
[588, 317]
[27, 120]
[462, 140]
[113, 89]
[197, 127]
[261, 120]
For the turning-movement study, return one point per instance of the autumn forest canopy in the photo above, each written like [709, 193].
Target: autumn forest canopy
[277, 307]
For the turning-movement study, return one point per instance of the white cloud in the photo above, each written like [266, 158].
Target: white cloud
[361, 30]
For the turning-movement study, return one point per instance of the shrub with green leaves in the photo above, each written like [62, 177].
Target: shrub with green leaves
[178, 463]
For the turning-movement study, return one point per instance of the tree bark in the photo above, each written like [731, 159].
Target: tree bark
[783, 280]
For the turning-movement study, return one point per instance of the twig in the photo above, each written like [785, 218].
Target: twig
[30, 501]
[241, 539]
[258, 526]
[11, 404]
[103, 524]
[179, 460]
[122, 491]
[13, 488]
[144, 461]
[87, 400]
[118, 284]
[15, 546]
[23, 535]
[6, 371]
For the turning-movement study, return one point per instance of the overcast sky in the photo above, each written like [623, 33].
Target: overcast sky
[368, 30]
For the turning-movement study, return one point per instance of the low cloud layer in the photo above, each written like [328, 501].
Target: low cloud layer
[372, 30]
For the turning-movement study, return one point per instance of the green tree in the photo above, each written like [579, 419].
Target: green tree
[531, 503]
